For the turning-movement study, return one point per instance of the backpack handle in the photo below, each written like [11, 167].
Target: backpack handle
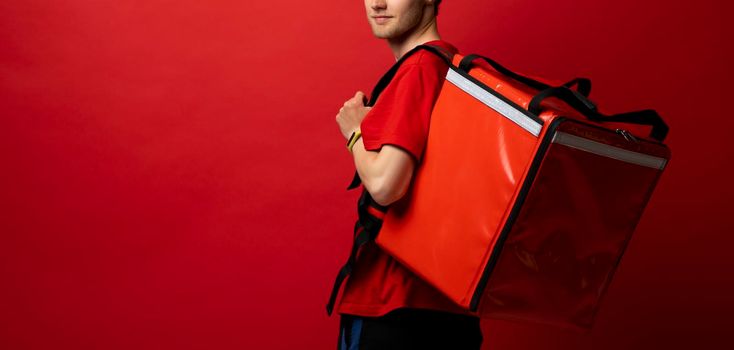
[583, 85]
[581, 104]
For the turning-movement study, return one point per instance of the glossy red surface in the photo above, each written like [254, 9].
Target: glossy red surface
[473, 162]
[567, 241]
[573, 225]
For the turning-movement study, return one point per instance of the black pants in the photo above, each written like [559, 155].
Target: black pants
[408, 329]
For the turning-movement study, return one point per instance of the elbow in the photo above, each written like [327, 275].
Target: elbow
[385, 193]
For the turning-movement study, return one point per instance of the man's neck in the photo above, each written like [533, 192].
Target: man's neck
[425, 33]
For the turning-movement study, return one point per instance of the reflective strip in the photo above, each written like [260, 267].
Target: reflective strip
[608, 151]
[494, 102]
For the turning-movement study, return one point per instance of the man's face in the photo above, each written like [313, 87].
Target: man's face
[391, 19]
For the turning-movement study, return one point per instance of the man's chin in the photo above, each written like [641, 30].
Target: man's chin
[382, 35]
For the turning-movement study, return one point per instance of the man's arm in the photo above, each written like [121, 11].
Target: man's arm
[386, 174]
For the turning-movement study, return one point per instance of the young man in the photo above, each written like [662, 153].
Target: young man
[383, 305]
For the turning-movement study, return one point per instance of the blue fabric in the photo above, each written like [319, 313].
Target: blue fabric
[343, 344]
[407, 328]
[355, 330]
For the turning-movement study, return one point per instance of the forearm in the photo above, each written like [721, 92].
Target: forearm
[385, 174]
[385, 183]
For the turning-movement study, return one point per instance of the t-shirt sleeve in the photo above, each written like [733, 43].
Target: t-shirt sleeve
[402, 113]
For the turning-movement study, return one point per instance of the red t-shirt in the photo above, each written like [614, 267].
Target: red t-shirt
[400, 117]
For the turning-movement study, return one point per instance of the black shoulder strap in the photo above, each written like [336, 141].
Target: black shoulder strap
[370, 213]
[440, 52]
[390, 74]
[369, 222]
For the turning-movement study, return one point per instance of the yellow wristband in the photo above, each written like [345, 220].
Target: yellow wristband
[353, 139]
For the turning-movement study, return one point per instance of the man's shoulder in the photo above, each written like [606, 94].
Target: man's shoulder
[425, 58]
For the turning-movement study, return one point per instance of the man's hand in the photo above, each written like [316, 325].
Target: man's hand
[351, 114]
[386, 173]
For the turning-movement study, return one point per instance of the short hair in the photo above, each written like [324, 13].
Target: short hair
[435, 8]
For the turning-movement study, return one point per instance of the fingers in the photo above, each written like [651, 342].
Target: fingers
[360, 97]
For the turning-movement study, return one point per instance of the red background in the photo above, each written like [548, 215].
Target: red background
[173, 178]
